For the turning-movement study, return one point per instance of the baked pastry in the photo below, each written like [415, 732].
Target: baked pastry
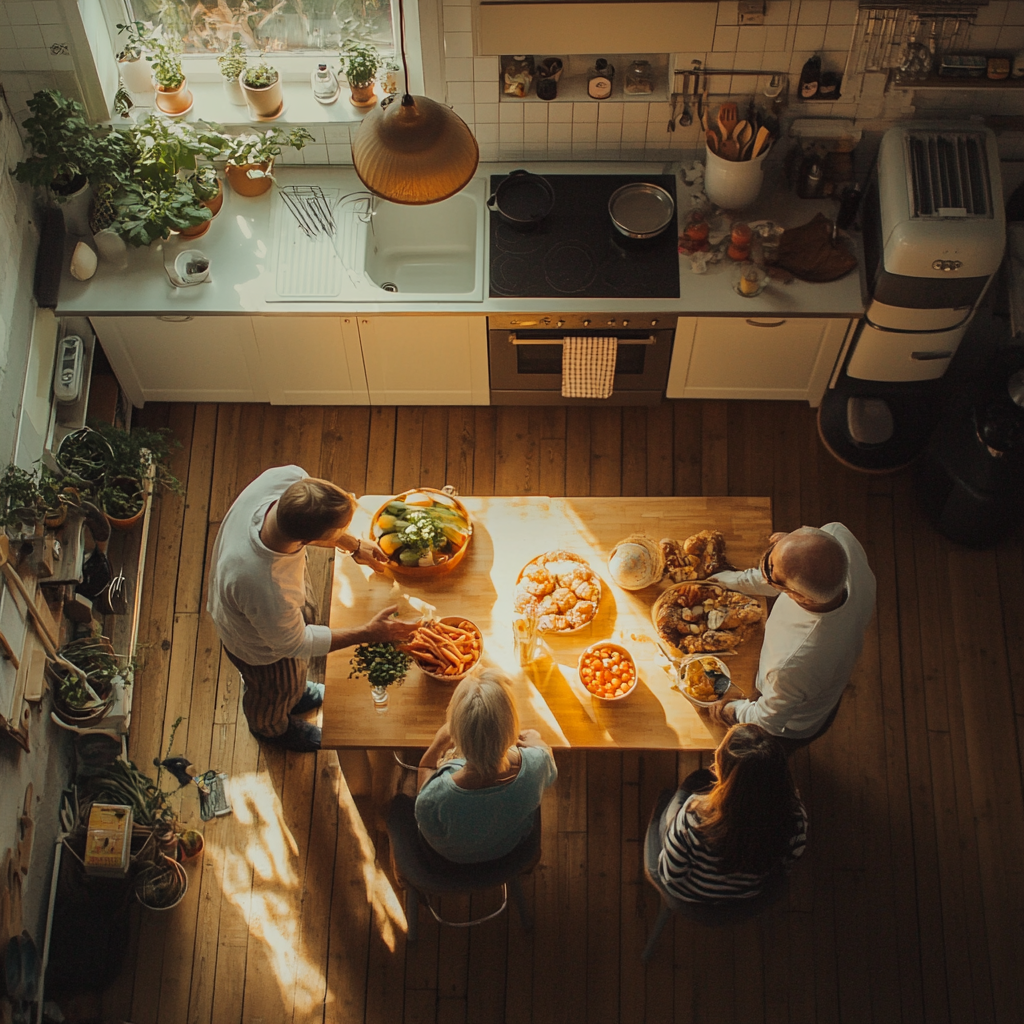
[703, 618]
[695, 558]
[560, 589]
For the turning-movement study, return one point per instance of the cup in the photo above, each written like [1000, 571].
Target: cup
[733, 184]
[547, 88]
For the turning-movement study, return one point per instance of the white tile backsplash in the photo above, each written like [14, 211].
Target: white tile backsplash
[458, 18]
[21, 14]
[809, 37]
[27, 36]
[813, 12]
[47, 12]
[584, 113]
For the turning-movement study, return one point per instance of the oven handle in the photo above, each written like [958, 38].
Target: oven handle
[514, 339]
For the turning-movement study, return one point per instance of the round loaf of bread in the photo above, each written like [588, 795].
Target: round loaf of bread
[636, 562]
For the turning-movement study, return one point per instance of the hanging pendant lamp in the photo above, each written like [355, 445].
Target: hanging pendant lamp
[414, 152]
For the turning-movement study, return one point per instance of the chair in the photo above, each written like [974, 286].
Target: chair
[712, 914]
[425, 873]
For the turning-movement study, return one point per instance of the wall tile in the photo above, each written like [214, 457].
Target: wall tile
[27, 36]
[5, 18]
[725, 37]
[797, 59]
[460, 92]
[489, 153]
[10, 60]
[584, 131]
[35, 59]
[728, 12]
[535, 132]
[1011, 37]
[47, 12]
[339, 154]
[559, 113]
[813, 12]
[778, 13]
[484, 92]
[656, 132]
[610, 112]
[809, 37]
[751, 37]
[634, 132]
[485, 69]
[486, 133]
[510, 134]
[486, 113]
[721, 60]
[838, 37]
[315, 153]
[466, 111]
[510, 152]
[457, 19]
[584, 113]
[993, 14]
[559, 152]
[609, 132]
[21, 14]
[634, 113]
[775, 38]
[535, 150]
[984, 38]
[535, 113]
[336, 134]
[459, 69]
[458, 44]
[54, 35]
[510, 113]
[559, 133]
[842, 12]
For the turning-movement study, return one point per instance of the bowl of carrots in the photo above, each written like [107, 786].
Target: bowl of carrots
[446, 649]
[608, 671]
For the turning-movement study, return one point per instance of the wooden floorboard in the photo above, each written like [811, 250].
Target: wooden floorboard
[907, 906]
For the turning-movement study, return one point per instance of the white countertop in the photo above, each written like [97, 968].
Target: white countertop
[239, 246]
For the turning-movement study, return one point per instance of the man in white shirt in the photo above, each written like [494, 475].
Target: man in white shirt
[259, 603]
[814, 634]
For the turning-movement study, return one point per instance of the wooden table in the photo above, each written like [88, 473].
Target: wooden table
[507, 533]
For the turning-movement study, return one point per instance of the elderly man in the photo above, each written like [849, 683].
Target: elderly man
[259, 602]
[814, 634]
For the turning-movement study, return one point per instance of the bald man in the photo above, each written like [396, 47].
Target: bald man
[814, 634]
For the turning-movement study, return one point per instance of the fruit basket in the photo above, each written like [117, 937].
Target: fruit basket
[424, 532]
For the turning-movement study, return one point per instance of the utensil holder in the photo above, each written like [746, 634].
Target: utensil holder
[733, 184]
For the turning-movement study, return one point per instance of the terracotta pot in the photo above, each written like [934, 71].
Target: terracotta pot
[239, 180]
[174, 101]
[266, 102]
[190, 844]
[213, 205]
[362, 95]
[126, 524]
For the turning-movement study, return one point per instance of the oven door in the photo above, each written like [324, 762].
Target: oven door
[526, 367]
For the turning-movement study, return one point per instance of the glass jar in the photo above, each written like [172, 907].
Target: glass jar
[517, 74]
[325, 84]
[599, 79]
[639, 78]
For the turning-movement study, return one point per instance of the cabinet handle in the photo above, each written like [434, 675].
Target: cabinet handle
[175, 319]
[758, 323]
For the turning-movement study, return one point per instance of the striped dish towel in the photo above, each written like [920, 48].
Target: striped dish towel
[588, 367]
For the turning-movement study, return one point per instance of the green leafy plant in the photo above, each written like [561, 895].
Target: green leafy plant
[123, 783]
[382, 664]
[145, 215]
[166, 61]
[232, 61]
[205, 184]
[260, 76]
[260, 149]
[95, 656]
[83, 456]
[28, 498]
[360, 63]
[133, 451]
[140, 38]
[122, 499]
[165, 148]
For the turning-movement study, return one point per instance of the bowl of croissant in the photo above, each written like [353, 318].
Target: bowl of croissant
[704, 617]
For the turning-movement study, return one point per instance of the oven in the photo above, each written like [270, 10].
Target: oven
[526, 356]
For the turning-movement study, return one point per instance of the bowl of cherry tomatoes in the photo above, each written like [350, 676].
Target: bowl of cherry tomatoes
[608, 671]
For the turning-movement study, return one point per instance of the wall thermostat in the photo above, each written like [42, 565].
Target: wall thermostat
[67, 376]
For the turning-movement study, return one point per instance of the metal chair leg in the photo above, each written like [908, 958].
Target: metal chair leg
[519, 898]
[664, 913]
[412, 913]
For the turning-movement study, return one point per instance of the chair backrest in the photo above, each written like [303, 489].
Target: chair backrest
[429, 872]
[724, 913]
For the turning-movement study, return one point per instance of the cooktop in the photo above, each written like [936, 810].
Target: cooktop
[577, 252]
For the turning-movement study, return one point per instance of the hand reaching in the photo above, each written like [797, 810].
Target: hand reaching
[369, 553]
[382, 628]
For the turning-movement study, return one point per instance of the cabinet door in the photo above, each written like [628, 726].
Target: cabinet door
[182, 358]
[311, 360]
[759, 357]
[425, 360]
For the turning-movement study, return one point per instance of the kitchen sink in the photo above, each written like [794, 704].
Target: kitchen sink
[424, 250]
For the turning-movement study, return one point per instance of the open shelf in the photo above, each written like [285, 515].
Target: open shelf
[572, 86]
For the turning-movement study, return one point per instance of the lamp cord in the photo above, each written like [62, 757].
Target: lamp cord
[406, 96]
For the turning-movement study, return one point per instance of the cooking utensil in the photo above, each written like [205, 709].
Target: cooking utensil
[743, 135]
[729, 149]
[727, 120]
[686, 118]
[760, 142]
[641, 210]
[523, 199]
[712, 140]
[672, 115]
[702, 106]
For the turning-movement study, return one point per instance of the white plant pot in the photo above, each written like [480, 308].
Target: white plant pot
[733, 184]
[234, 92]
[137, 76]
[76, 212]
[112, 248]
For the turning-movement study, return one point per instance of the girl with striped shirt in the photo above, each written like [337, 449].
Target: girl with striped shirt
[726, 842]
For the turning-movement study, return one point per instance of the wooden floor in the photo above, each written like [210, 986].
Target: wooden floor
[909, 905]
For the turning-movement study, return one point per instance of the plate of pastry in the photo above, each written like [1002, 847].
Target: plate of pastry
[704, 618]
[560, 589]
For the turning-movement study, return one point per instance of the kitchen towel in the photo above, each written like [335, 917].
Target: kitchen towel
[588, 367]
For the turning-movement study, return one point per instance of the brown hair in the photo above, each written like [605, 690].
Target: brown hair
[483, 720]
[311, 509]
[747, 819]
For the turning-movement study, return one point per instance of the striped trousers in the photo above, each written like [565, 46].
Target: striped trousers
[271, 691]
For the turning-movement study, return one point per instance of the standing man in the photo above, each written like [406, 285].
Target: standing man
[814, 634]
[261, 606]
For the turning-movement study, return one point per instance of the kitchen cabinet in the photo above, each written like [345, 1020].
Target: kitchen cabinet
[425, 360]
[311, 360]
[755, 358]
[183, 358]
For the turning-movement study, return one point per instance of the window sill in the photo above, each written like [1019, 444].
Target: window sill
[211, 103]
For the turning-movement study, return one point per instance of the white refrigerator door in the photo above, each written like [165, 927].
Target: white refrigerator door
[905, 318]
[902, 356]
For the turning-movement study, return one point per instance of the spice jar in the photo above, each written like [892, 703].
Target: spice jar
[695, 233]
[517, 74]
[639, 78]
[599, 79]
[739, 242]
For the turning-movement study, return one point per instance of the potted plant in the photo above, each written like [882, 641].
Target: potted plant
[261, 86]
[382, 664]
[161, 883]
[134, 71]
[172, 94]
[209, 191]
[31, 502]
[82, 456]
[361, 62]
[251, 158]
[232, 63]
[144, 215]
[84, 700]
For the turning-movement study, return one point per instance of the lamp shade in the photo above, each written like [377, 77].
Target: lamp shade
[415, 152]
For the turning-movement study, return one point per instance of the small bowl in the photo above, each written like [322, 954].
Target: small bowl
[722, 680]
[424, 571]
[625, 655]
[454, 620]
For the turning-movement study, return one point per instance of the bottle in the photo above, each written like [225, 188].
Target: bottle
[739, 242]
[810, 77]
[325, 85]
[599, 80]
[639, 78]
[809, 185]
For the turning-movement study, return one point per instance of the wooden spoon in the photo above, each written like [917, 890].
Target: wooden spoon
[729, 149]
[760, 142]
[727, 120]
[743, 134]
[712, 140]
